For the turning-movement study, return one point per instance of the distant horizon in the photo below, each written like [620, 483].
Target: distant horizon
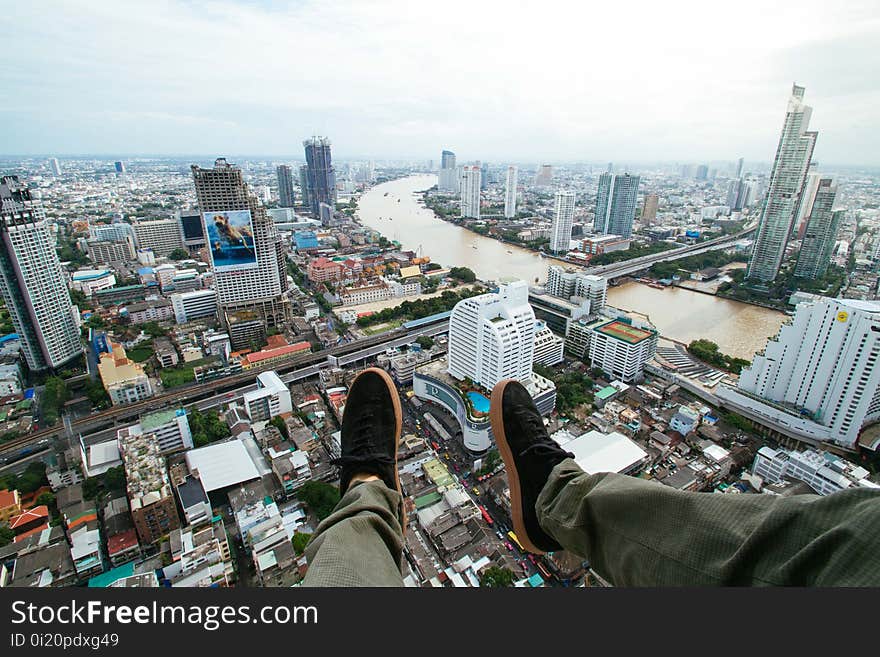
[281, 159]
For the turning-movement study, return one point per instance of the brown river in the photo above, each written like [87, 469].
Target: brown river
[395, 210]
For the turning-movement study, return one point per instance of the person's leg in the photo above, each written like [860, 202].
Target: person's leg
[361, 542]
[641, 533]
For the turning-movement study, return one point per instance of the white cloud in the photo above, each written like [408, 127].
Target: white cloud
[492, 80]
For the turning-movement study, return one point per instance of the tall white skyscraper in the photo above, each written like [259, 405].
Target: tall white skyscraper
[510, 192]
[32, 282]
[470, 192]
[786, 186]
[563, 218]
[820, 376]
[56, 168]
[492, 336]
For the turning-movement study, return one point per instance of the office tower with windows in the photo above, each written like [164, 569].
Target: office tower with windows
[192, 229]
[649, 209]
[484, 176]
[285, 185]
[567, 284]
[253, 290]
[563, 218]
[447, 178]
[470, 192]
[32, 281]
[702, 172]
[321, 177]
[55, 166]
[492, 336]
[616, 202]
[819, 378]
[510, 192]
[787, 180]
[161, 235]
[739, 168]
[820, 233]
[544, 177]
[119, 166]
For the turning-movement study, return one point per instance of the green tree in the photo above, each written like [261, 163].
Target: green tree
[6, 535]
[97, 395]
[206, 427]
[321, 498]
[52, 399]
[154, 330]
[300, 540]
[47, 499]
[463, 274]
[79, 299]
[497, 577]
[425, 341]
[179, 254]
[28, 481]
[278, 423]
[95, 322]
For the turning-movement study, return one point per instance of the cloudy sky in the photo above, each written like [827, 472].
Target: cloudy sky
[548, 80]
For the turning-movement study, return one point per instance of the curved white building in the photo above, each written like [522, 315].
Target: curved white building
[492, 336]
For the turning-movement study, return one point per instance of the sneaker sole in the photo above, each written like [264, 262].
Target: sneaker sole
[398, 417]
[496, 419]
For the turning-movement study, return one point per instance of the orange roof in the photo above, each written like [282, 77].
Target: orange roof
[266, 354]
[276, 341]
[8, 498]
[79, 520]
[40, 512]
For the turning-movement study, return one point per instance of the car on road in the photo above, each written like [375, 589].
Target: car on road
[508, 546]
[476, 490]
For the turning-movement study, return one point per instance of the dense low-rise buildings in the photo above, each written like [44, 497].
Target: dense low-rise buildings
[149, 489]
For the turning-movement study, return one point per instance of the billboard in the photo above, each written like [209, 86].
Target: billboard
[230, 238]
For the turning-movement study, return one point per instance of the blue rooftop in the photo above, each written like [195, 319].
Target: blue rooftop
[8, 337]
[104, 580]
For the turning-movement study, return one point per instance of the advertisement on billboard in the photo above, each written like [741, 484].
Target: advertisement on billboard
[230, 239]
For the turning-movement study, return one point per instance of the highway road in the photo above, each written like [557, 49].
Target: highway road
[627, 267]
[195, 395]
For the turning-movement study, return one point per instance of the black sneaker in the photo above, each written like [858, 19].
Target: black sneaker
[370, 429]
[529, 455]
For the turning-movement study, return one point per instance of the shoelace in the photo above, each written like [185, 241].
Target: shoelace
[362, 448]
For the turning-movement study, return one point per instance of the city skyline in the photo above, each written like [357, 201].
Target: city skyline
[400, 107]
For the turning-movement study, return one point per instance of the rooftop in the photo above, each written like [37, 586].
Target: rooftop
[222, 464]
[625, 332]
[153, 421]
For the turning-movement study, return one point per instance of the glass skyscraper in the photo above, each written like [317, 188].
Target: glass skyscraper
[786, 186]
[820, 234]
[616, 203]
[320, 174]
